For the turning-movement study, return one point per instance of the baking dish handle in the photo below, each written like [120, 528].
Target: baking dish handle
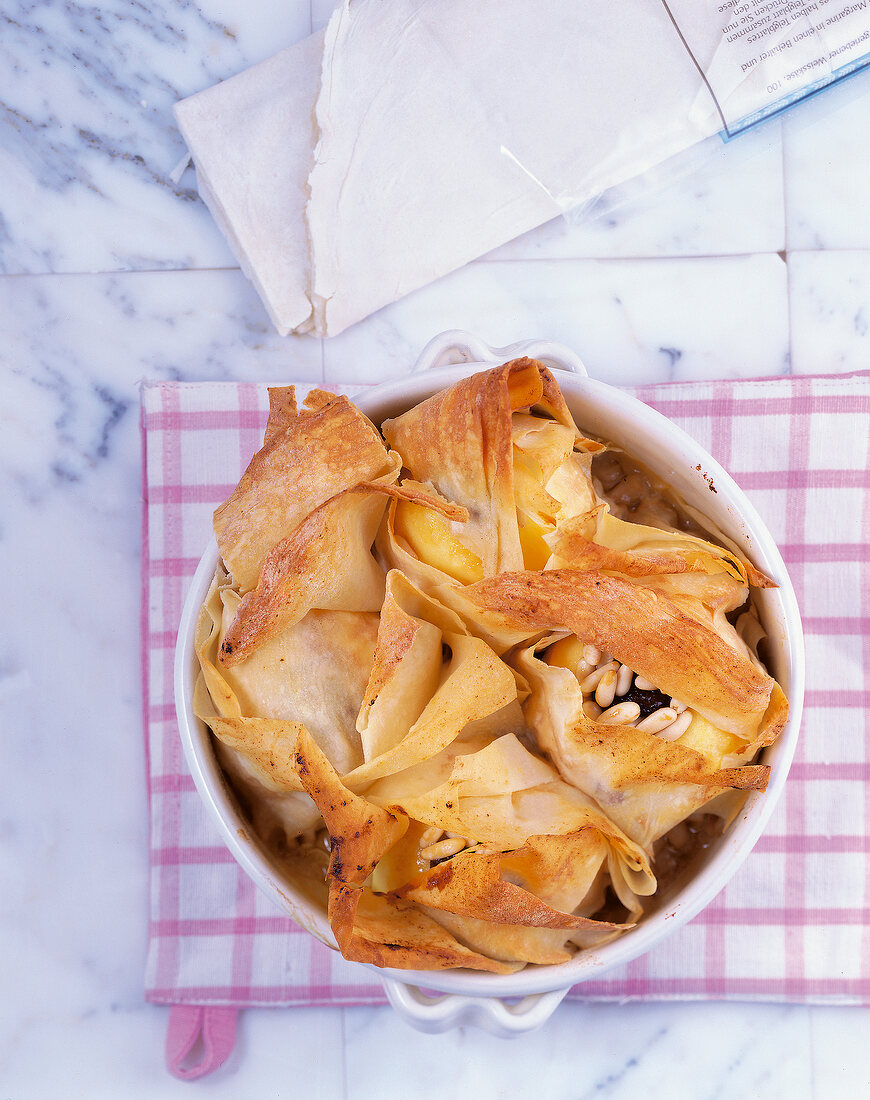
[442, 1012]
[455, 346]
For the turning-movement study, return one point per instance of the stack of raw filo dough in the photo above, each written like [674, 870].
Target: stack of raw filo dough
[410, 138]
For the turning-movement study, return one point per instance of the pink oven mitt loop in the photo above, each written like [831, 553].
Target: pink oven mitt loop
[214, 1027]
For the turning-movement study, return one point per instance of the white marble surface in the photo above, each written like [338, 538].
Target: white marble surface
[757, 263]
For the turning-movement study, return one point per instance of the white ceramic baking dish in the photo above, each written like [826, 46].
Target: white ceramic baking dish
[512, 1004]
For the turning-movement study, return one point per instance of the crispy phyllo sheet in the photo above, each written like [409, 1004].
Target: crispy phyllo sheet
[531, 855]
[504, 445]
[430, 679]
[502, 795]
[368, 926]
[641, 628]
[495, 902]
[534, 853]
[313, 672]
[386, 931]
[598, 540]
[323, 564]
[308, 457]
[644, 783]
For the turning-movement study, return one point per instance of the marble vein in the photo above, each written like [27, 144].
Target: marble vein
[87, 138]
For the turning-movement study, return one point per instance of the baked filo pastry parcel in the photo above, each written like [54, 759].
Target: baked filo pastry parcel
[506, 855]
[652, 705]
[296, 533]
[289, 629]
[377, 693]
[461, 701]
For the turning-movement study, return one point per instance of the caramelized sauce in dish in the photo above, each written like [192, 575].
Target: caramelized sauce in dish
[636, 495]
[678, 852]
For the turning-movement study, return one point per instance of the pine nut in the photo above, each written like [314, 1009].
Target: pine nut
[658, 720]
[591, 709]
[642, 684]
[620, 715]
[592, 655]
[444, 848]
[623, 680]
[678, 728]
[594, 678]
[677, 706]
[606, 690]
[430, 836]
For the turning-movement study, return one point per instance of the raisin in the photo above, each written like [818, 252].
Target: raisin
[648, 701]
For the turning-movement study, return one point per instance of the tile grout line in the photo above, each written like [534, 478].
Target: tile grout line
[113, 272]
[786, 252]
[626, 259]
[344, 1053]
[685, 257]
[811, 1028]
[784, 169]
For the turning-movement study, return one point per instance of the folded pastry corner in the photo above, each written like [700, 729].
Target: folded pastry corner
[368, 926]
[503, 445]
[522, 847]
[325, 563]
[430, 681]
[308, 457]
[649, 731]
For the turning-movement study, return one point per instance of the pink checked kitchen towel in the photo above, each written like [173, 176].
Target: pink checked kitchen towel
[793, 924]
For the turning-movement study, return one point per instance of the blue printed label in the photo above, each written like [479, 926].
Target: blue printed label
[759, 57]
